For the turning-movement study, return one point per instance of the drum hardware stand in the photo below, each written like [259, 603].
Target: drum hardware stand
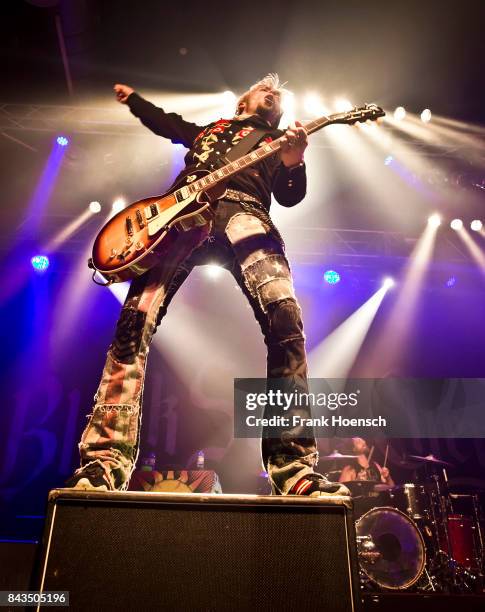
[477, 515]
[432, 586]
[427, 582]
[450, 575]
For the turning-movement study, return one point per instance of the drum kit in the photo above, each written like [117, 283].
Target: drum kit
[422, 536]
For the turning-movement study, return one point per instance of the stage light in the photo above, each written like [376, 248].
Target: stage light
[40, 263]
[388, 161]
[388, 282]
[288, 103]
[229, 97]
[476, 225]
[213, 271]
[62, 140]
[456, 224]
[342, 105]
[426, 115]
[331, 277]
[434, 220]
[399, 113]
[228, 103]
[118, 205]
[451, 282]
[313, 105]
[95, 207]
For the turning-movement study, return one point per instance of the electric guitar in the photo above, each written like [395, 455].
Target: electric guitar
[134, 240]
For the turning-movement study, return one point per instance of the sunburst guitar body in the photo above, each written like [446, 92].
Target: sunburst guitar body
[135, 239]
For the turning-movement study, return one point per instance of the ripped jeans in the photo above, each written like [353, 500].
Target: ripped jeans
[247, 246]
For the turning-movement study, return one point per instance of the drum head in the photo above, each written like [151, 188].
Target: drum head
[400, 546]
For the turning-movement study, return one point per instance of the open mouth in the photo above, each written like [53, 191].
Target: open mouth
[269, 99]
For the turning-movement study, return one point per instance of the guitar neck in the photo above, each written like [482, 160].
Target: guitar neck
[356, 115]
[249, 159]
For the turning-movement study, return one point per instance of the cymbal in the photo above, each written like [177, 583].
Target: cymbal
[336, 456]
[431, 459]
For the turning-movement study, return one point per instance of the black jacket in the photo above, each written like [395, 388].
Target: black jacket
[208, 143]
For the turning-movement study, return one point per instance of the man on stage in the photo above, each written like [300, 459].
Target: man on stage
[242, 239]
[363, 468]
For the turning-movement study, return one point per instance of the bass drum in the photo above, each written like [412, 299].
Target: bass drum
[397, 553]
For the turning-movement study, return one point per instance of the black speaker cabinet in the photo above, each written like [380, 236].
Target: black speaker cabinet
[163, 551]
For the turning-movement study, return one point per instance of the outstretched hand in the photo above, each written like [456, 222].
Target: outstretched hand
[293, 144]
[122, 92]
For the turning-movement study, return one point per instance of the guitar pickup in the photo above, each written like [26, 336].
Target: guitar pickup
[151, 211]
[129, 226]
[139, 219]
[182, 194]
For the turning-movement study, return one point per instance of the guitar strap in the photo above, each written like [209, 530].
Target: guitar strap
[243, 146]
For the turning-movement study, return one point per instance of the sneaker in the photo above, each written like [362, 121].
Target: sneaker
[92, 477]
[316, 485]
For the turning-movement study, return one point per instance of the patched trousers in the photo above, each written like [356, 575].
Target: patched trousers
[250, 249]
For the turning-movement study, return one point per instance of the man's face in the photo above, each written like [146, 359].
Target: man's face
[360, 445]
[265, 102]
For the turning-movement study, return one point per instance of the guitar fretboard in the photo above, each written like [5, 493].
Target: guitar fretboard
[232, 168]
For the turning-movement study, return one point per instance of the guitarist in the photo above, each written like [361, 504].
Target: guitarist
[244, 240]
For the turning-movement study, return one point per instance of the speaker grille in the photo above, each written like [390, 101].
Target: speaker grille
[200, 557]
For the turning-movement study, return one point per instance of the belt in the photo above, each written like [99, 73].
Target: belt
[259, 211]
[239, 196]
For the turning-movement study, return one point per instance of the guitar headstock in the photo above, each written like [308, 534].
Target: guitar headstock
[358, 115]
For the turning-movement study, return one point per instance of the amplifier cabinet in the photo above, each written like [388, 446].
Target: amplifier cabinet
[164, 551]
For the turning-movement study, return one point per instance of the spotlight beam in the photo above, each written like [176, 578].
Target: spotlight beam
[407, 164]
[359, 156]
[391, 343]
[42, 193]
[75, 297]
[187, 326]
[439, 135]
[475, 251]
[68, 231]
[336, 354]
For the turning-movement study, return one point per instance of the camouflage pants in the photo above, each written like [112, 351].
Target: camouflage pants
[246, 245]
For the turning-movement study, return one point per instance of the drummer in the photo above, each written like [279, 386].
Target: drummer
[362, 468]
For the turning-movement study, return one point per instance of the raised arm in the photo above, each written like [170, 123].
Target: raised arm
[168, 125]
